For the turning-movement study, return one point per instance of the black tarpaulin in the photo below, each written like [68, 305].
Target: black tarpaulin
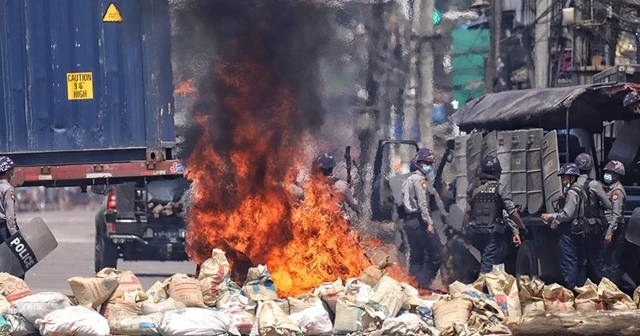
[588, 107]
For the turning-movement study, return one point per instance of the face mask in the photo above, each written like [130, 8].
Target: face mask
[607, 178]
[426, 169]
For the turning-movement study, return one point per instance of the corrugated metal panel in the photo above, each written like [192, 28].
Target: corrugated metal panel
[42, 41]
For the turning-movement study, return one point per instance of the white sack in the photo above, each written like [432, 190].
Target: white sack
[77, 320]
[196, 322]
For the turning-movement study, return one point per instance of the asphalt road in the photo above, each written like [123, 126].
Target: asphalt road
[75, 232]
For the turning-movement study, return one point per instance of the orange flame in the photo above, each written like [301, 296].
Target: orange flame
[185, 88]
[242, 201]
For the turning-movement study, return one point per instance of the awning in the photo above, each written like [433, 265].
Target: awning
[588, 107]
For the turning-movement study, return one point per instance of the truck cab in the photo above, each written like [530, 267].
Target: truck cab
[141, 221]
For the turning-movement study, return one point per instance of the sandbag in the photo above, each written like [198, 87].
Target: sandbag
[118, 311]
[157, 292]
[37, 306]
[636, 297]
[330, 292]
[480, 301]
[358, 291]
[139, 325]
[271, 321]
[302, 302]
[147, 307]
[448, 312]
[76, 320]
[504, 289]
[405, 324]
[196, 322]
[92, 291]
[314, 320]
[129, 286]
[614, 298]
[229, 293]
[425, 314]
[19, 325]
[558, 298]
[215, 268]
[588, 298]
[209, 290]
[4, 304]
[350, 317]
[242, 319]
[531, 295]
[385, 299]
[372, 274]
[184, 289]
[13, 288]
[259, 286]
[486, 325]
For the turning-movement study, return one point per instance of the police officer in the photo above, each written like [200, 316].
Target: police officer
[8, 223]
[484, 218]
[614, 233]
[325, 164]
[571, 227]
[595, 205]
[418, 225]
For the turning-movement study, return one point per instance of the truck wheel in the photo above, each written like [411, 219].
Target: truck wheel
[527, 261]
[105, 254]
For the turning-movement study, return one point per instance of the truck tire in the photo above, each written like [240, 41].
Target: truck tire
[105, 254]
[527, 261]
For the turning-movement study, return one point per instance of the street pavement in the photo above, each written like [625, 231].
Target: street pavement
[75, 232]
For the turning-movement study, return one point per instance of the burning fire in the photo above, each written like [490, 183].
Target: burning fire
[242, 201]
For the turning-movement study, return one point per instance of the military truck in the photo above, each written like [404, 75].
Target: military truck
[532, 132]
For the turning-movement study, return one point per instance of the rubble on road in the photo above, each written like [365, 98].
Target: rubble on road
[115, 303]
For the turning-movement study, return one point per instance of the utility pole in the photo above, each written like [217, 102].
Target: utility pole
[495, 27]
[541, 61]
[410, 101]
[425, 66]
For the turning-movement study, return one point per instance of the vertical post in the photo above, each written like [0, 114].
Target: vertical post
[425, 65]
[495, 26]
[541, 62]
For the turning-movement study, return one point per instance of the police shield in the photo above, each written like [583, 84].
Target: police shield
[550, 167]
[26, 248]
[460, 164]
[535, 198]
[504, 156]
[519, 140]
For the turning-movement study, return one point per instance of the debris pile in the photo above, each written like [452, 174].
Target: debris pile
[113, 302]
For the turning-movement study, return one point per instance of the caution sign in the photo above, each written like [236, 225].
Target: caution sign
[112, 14]
[80, 85]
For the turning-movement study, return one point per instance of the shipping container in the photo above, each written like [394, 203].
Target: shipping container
[86, 88]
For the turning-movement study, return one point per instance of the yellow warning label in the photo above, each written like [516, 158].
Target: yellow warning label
[112, 14]
[79, 85]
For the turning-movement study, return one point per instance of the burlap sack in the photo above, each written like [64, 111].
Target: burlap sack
[558, 298]
[184, 289]
[588, 298]
[129, 286]
[149, 307]
[259, 286]
[117, 311]
[224, 294]
[140, 325]
[386, 299]
[349, 317]
[216, 267]
[614, 298]
[330, 292]
[504, 288]
[446, 313]
[481, 302]
[302, 302]
[157, 292]
[4, 304]
[273, 321]
[636, 297]
[531, 295]
[242, 319]
[92, 291]
[13, 288]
